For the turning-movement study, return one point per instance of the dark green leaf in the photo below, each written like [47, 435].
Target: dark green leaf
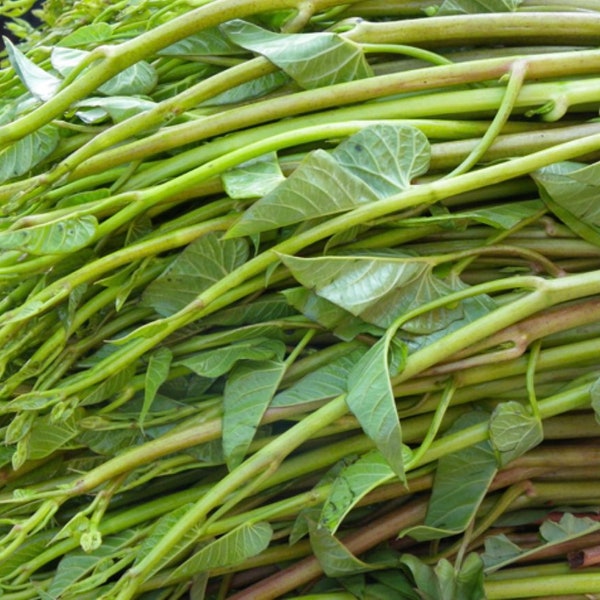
[461, 481]
[19, 158]
[41, 84]
[47, 436]
[269, 307]
[444, 582]
[371, 399]
[201, 264]
[335, 559]
[248, 391]
[311, 59]
[109, 387]
[325, 382]
[233, 548]
[514, 431]
[159, 365]
[353, 483]
[214, 363]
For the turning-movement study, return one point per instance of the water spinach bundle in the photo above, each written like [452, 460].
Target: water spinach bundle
[300, 299]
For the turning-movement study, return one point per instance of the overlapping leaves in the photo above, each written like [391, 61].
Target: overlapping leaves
[378, 161]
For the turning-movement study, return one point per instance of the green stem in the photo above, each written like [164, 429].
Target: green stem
[266, 458]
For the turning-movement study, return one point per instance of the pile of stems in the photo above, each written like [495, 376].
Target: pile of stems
[148, 450]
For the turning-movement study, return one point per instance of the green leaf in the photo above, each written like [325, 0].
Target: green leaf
[514, 431]
[109, 387]
[571, 192]
[505, 216]
[201, 264]
[470, 7]
[500, 551]
[233, 548]
[268, 307]
[568, 527]
[368, 287]
[214, 363]
[249, 90]
[88, 35]
[159, 530]
[595, 396]
[77, 564]
[40, 83]
[254, 178]
[118, 108]
[444, 582]
[111, 442]
[335, 559]
[371, 400]
[374, 163]
[159, 365]
[386, 157]
[57, 237]
[19, 158]
[311, 59]
[343, 324]
[352, 484]
[248, 391]
[324, 382]
[139, 79]
[305, 194]
[461, 481]
[47, 436]
[208, 42]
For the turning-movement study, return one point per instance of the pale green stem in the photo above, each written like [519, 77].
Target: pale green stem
[516, 77]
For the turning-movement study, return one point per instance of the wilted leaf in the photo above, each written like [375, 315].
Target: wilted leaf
[118, 108]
